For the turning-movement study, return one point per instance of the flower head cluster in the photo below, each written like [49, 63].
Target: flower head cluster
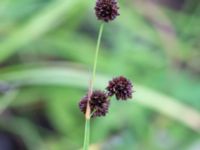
[106, 10]
[120, 87]
[99, 101]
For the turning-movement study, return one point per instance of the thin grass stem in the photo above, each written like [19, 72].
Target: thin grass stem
[88, 113]
[96, 55]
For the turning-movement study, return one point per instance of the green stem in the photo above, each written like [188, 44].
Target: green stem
[92, 113]
[87, 135]
[87, 121]
[96, 55]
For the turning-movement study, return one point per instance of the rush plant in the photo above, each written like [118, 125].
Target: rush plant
[96, 102]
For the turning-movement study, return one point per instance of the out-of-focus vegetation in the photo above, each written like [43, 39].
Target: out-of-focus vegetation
[46, 55]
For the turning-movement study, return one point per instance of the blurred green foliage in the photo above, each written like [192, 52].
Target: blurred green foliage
[46, 54]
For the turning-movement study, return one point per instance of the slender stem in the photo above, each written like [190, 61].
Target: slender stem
[96, 55]
[87, 134]
[92, 113]
[88, 113]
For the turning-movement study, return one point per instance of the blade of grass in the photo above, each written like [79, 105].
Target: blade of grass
[37, 26]
[72, 77]
[7, 99]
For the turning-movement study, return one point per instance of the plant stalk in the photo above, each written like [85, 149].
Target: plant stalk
[88, 111]
[87, 135]
[96, 54]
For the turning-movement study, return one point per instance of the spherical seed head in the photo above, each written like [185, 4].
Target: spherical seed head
[120, 87]
[99, 104]
[106, 10]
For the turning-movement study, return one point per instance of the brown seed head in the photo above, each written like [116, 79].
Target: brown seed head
[99, 104]
[106, 10]
[120, 87]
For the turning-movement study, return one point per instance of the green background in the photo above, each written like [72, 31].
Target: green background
[46, 56]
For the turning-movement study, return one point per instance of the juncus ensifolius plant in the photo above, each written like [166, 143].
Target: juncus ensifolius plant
[96, 102]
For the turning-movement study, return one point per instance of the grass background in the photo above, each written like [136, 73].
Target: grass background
[46, 55]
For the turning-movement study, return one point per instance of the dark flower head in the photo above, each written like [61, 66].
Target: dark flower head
[106, 10]
[120, 87]
[99, 104]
